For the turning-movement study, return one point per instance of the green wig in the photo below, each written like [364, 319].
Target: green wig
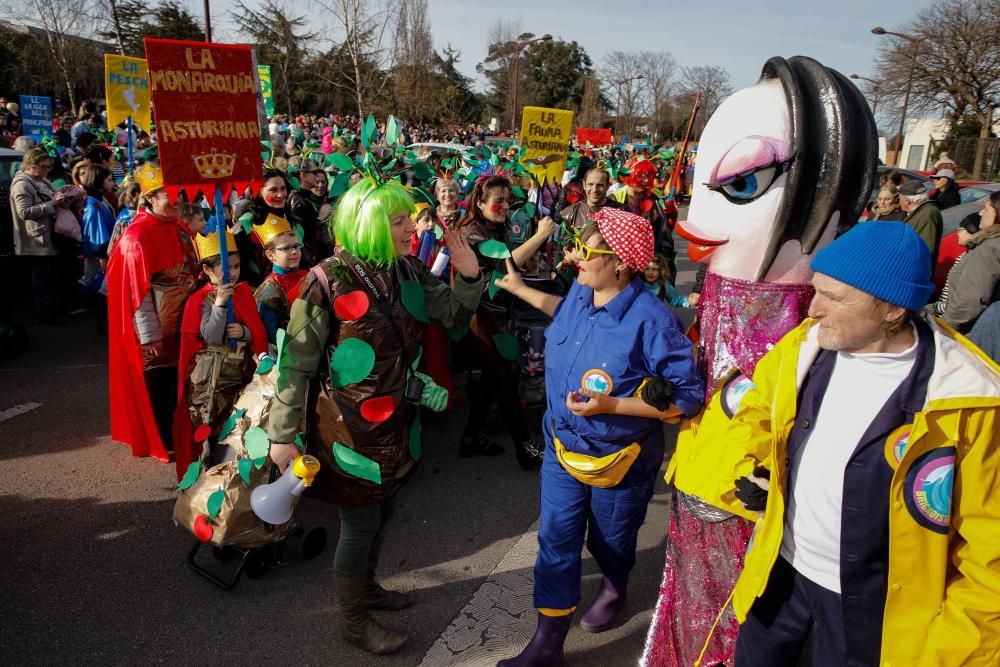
[362, 224]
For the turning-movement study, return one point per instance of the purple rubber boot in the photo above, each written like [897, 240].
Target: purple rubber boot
[546, 648]
[603, 614]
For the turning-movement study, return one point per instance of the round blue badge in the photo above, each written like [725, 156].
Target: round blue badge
[597, 381]
[927, 489]
[733, 391]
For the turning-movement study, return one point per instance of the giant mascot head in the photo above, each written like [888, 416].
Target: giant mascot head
[780, 164]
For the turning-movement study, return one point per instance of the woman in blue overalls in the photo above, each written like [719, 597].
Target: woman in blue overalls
[617, 363]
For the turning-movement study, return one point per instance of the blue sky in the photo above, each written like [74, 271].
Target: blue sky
[737, 35]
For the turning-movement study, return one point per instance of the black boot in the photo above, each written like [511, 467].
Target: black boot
[377, 597]
[529, 454]
[603, 613]
[477, 444]
[546, 648]
[358, 626]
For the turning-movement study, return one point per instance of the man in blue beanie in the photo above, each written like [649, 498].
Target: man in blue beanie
[868, 454]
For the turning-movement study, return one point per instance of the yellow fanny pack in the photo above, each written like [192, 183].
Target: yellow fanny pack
[602, 472]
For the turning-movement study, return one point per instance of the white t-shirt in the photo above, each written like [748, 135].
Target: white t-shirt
[859, 387]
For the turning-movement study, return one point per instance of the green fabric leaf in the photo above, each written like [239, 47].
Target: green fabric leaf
[493, 289]
[518, 192]
[412, 295]
[190, 476]
[352, 361]
[215, 502]
[300, 442]
[294, 182]
[300, 232]
[494, 249]
[438, 232]
[368, 131]
[415, 443]
[246, 465]
[422, 171]
[257, 445]
[354, 463]
[506, 345]
[341, 162]
[265, 366]
[230, 424]
[458, 334]
[391, 132]
[247, 221]
[529, 210]
[340, 184]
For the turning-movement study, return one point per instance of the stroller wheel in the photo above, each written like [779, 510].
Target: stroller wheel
[313, 543]
[258, 563]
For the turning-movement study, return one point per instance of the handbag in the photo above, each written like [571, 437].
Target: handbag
[219, 372]
[68, 225]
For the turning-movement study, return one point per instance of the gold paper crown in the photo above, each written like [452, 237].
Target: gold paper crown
[215, 165]
[271, 227]
[150, 178]
[207, 246]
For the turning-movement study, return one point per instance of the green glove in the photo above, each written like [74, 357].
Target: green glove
[435, 397]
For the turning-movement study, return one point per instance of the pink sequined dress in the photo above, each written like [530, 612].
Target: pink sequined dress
[739, 321]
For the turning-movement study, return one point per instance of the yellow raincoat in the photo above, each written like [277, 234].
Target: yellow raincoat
[943, 603]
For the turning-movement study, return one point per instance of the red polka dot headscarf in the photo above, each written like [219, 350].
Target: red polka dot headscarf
[629, 235]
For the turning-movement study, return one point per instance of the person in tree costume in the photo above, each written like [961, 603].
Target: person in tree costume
[354, 338]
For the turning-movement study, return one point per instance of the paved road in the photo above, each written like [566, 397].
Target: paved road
[94, 571]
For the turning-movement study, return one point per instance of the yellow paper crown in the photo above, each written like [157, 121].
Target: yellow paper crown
[418, 209]
[150, 178]
[207, 246]
[271, 227]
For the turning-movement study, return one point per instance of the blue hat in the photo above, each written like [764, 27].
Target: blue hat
[885, 259]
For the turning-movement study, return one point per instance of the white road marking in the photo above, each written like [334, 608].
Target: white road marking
[18, 410]
[499, 619]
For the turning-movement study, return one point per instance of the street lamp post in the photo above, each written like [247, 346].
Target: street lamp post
[517, 74]
[208, 21]
[914, 43]
[618, 104]
[875, 90]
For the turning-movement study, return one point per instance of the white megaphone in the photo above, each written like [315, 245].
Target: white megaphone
[274, 503]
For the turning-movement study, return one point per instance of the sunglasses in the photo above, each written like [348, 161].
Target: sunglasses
[587, 252]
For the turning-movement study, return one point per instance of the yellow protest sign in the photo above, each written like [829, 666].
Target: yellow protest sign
[126, 90]
[546, 134]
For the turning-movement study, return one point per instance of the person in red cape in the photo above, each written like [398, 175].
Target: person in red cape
[206, 323]
[150, 273]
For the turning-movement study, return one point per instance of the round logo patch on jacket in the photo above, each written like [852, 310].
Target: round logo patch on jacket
[927, 489]
[597, 381]
[733, 392]
[896, 444]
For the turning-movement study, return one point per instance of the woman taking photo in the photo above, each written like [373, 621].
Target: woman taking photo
[355, 332]
[617, 364]
[484, 226]
[33, 206]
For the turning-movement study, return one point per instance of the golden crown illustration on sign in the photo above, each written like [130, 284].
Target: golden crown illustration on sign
[208, 246]
[271, 227]
[215, 165]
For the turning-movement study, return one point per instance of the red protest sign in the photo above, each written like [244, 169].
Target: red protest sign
[597, 136]
[205, 105]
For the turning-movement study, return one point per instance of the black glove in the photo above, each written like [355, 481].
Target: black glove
[658, 393]
[753, 497]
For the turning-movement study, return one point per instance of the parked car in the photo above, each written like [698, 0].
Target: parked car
[971, 193]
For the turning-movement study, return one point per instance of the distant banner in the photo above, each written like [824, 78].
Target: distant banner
[595, 136]
[266, 91]
[206, 115]
[126, 90]
[546, 134]
[36, 117]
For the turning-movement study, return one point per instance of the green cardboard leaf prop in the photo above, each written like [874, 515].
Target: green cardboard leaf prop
[356, 464]
[265, 366]
[352, 361]
[506, 345]
[215, 502]
[341, 162]
[246, 466]
[190, 476]
[257, 445]
[412, 295]
[230, 424]
[494, 249]
[493, 289]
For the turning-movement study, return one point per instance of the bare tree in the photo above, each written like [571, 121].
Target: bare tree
[626, 83]
[413, 75]
[498, 67]
[713, 84]
[63, 23]
[366, 64]
[949, 58]
[591, 106]
[660, 70]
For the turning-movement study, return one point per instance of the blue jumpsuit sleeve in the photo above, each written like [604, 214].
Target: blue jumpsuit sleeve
[669, 355]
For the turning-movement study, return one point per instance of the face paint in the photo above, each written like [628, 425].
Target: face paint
[496, 208]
